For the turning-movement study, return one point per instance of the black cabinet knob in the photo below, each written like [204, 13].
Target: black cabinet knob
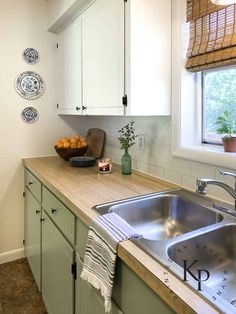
[30, 182]
[53, 210]
[37, 212]
[84, 108]
[77, 108]
[42, 219]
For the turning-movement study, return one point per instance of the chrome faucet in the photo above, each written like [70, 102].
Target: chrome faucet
[202, 184]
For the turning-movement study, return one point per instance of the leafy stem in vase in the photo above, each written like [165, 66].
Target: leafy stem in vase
[127, 136]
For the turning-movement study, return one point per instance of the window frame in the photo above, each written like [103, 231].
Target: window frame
[186, 97]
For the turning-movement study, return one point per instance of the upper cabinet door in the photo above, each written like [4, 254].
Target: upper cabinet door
[148, 55]
[103, 58]
[70, 76]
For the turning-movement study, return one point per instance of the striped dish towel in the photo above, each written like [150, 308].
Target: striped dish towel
[104, 235]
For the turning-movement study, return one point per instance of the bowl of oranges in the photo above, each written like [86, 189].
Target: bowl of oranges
[71, 147]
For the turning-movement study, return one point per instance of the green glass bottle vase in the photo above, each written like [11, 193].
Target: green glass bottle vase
[126, 163]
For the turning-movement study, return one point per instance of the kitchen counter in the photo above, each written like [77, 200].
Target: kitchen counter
[82, 188]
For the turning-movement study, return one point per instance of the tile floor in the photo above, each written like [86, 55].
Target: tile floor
[18, 290]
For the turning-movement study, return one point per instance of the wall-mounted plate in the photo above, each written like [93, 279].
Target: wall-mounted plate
[30, 85]
[29, 115]
[31, 55]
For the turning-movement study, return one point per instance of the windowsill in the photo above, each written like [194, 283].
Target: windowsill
[208, 154]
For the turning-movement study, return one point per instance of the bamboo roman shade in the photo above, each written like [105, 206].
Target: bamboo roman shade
[212, 35]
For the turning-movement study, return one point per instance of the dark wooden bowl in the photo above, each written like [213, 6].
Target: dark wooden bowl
[67, 153]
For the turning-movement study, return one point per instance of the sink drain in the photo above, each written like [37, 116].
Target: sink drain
[233, 302]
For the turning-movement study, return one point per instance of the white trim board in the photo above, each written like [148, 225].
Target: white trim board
[11, 255]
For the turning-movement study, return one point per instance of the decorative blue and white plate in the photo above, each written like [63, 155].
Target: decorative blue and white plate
[30, 85]
[29, 115]
[31, 55]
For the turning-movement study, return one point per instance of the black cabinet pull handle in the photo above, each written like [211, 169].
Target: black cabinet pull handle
[37, 212]
[53, 210]
[84, 108]
[77, 108]
[42, 219]
[30, 182]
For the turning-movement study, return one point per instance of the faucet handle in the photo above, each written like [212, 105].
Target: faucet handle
[227, 173]
[201, 187]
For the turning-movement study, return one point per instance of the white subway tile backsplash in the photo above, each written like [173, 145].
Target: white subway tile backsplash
[172, 176]
[157, 159]
[141, 166]
[181, 166]
[202, 171]
[189, 182]
[156, 172]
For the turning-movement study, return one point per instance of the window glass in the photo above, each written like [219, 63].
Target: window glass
[219, 95]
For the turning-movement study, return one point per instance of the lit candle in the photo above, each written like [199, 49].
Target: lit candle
[104, 165]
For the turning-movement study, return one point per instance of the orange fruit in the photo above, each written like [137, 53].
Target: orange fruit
[73, 140]
[83, 143]
[60, 145]
[77, 137]
[73, 145]
[66, 144]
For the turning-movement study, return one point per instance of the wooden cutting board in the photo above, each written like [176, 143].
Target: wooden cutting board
[96, 141]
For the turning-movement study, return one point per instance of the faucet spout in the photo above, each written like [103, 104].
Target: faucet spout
[202, 184]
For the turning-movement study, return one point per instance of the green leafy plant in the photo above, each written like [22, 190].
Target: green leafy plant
[227, 125]
[127, 136]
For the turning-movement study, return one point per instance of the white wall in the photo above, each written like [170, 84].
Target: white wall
[22, 25]
[157, 159]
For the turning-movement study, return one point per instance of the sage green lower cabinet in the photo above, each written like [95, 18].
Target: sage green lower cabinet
[33, 235]
[130, 295]
[57, 261]
[89, 299]
[133, 296]
[52, 247]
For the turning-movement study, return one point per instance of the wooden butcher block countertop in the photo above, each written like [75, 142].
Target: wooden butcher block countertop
[82, 188]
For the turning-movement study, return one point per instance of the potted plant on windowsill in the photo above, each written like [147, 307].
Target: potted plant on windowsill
[227, 127]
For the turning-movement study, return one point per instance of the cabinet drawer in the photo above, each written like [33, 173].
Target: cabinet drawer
[60, 215]
[33, 184]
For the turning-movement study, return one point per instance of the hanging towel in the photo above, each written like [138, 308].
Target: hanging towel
[104, 235]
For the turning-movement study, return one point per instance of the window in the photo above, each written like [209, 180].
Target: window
[186, 89]
[219, 95]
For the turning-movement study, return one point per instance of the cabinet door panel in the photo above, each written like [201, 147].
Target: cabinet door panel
[87, 299]
[33, 234]
[103, 57]
[57, 280]
[69, 58]
[133, 296]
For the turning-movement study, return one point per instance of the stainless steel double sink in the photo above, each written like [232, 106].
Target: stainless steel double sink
[192, 236]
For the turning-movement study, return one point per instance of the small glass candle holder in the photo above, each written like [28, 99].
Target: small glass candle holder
[104, 165]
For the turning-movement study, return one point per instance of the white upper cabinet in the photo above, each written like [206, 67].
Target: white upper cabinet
[103, 58]
[113, 49]
[148, 56]
[69, 67]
